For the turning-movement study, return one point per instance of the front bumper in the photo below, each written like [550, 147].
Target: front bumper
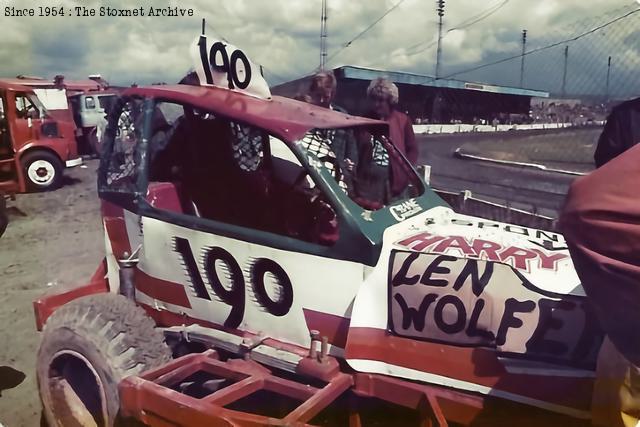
[73, 162]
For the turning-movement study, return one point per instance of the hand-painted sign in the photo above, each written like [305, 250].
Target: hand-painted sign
[546, 239]
[473, 302]
[221, 64]
[519, 258]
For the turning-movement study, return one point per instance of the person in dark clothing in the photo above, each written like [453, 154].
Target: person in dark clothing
[601, 223]
[322, 90]
[621, 132]
[382, 95]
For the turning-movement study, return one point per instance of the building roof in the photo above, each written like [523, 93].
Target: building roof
[72, 85]
[286, 118]
[360, 73]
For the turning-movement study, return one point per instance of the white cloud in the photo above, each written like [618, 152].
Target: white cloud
[283, 35]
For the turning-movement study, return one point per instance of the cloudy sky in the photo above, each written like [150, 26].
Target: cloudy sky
[283, 36]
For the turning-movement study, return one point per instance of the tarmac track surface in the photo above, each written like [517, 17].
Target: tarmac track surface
[521, 187]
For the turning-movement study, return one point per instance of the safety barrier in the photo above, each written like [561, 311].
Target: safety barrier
[463, 128]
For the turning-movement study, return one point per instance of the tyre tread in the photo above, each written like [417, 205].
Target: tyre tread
[123, 335]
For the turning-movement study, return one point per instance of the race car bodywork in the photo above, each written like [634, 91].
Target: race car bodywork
[290, 246]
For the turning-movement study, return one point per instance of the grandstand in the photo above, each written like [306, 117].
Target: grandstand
[426, 99]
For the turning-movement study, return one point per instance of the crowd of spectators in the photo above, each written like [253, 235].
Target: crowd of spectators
[573, 111]
[569, 111]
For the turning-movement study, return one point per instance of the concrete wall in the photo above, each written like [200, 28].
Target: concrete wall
[446, 128]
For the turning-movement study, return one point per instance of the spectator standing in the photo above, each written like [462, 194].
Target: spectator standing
[322, 90]
[621, 132]
[383, 99]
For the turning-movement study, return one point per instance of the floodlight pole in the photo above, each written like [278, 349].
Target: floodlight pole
[323, 36]
[606, 97]
[564, 74]
[524, 47]
[440, 11]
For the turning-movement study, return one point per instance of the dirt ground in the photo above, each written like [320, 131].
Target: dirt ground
[53, 239]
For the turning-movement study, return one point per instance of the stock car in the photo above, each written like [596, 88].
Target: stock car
[254, 277]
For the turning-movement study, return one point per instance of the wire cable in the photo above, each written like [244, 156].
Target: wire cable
[462, 25]
[363, 32]
[550, 46]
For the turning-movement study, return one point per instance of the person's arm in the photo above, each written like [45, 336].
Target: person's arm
[410, 142]
[601, 223]
[621, 132]
[609, 143]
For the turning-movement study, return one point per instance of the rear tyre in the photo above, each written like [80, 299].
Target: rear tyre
[42, 170]
[88, 346]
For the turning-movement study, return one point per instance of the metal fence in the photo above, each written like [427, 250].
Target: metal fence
[587, 68]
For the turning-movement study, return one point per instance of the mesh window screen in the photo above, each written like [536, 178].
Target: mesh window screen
[319, 142]
[122, 166]
[247, 146]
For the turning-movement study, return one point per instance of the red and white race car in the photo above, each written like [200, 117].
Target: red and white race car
[255, 277]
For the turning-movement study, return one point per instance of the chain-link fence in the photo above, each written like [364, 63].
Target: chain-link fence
[571, 77]
[586, 68]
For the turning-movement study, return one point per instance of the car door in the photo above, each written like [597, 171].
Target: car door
[8, 175]
[6, 148]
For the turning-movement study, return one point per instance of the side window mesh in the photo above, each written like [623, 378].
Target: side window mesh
[247, 146]
[319, 142]
[380, 155]
[121, 172]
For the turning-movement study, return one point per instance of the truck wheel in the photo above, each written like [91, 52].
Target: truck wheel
[88, 346]
[4, 218]
[42, 170]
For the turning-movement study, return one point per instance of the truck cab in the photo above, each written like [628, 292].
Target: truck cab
[34, 146]
[90, 110]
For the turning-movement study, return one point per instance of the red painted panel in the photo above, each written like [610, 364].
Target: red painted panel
[335, 328]
[44, 307]
[116, 228]
[474, 365]
[170, 292]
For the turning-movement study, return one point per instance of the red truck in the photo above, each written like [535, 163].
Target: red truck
[35, 144]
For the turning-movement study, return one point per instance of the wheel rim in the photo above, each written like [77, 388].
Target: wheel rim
[41, 172]
[83, 395]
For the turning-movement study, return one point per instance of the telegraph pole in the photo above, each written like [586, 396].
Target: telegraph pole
[440, 11]
[608, 76]
[564, 74]
[323, 35]
[524, 47]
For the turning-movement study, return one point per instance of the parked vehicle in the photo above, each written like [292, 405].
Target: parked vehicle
[65, 100]
[35, 145]
[253, 278]
[89, 109]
